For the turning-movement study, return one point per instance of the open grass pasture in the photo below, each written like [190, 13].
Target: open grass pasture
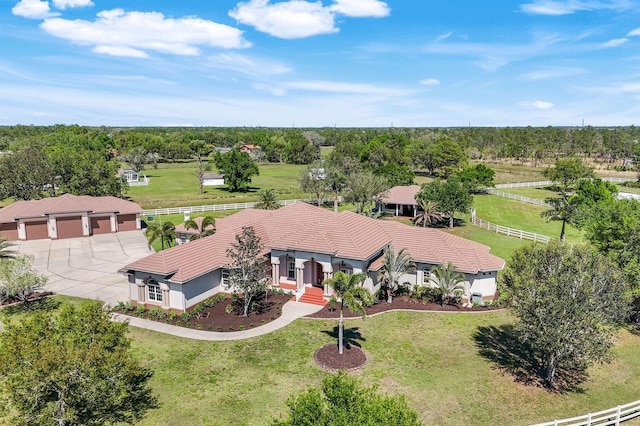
[174, 185]
[433, 359]
[508, 173]
[538, 193]
[519, 215]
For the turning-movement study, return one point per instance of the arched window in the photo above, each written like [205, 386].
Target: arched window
[154, 291]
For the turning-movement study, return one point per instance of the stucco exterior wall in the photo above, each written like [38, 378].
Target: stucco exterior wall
[201, 288]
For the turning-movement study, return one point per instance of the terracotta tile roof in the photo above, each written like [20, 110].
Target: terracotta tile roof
[402, 195]
[428, 245]
[304, 227]
[67, 203]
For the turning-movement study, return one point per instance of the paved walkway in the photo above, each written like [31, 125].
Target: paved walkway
[290, 312]
[87, 267]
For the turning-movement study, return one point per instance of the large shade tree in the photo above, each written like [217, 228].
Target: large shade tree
[569, 302]
[394, 265]
[350, 293]
[451, 196]
[72, 368]
[238, 168]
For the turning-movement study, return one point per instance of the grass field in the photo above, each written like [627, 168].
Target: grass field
[173, 185]
[519, 215]
[538, 193]
[432, 358]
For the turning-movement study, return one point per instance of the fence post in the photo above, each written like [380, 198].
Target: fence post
[617, 416]
[589, 419]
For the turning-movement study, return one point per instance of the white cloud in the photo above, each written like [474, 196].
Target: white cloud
[633, 33]
[33, 9]
[614, 42]
[542, 105]
[63, 4]
[288, 20]
[246, 65]
[120, 51]
[557, 7]
[444, 36]
[119, 33]
[553, 72]
[430, 82]
[298, 18]
[361, 8]
[348, 88]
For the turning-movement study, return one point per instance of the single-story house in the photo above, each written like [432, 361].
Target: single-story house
[68, 216]
[183, 235]
[400, 200]
[250, 148]
[212, 179]
[303, 246]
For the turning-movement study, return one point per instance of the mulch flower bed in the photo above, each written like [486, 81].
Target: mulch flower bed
[399, 303]
[328, 358]
[215, 317]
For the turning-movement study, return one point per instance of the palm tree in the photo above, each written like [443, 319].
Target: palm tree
[429, 214]
[268, 200]
[447, 280]
[561, 209]
[393, 266]
[207, 227]
[5, 252]
[349, 290]
[165, 231]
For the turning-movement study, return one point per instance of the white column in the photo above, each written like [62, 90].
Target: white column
[327, 288]
[299, 278]
[142, 294]
[53, 227]
[22, 230]
[85, 225]
[275, 273]
[138, 223]
[114, 223]
[165, 295]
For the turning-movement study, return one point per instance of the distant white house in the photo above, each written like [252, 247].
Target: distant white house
[317, 173]
[212, 179]
[133, 178]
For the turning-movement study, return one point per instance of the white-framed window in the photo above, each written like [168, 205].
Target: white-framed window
[426, 275]
[154, 291]
[224, 281]
[291, 270]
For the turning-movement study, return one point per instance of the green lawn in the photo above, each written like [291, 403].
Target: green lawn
[538, 193]
[431, 358]
[173, 185]
[519, 215]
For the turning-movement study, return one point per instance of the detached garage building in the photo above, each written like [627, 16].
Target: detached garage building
[68, 216]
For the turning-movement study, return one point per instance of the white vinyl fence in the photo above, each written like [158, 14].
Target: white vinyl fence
[209, 208]
[529, 200]
[517, 233]
[612, 416]
[548, 183]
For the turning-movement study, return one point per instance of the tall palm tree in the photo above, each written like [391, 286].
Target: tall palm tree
[5, 252]
[207, 227]
[393, 266]
[561, 209]
[165, 231]
[350, 292]
[447, 280]
[268, 200]
[430, 213]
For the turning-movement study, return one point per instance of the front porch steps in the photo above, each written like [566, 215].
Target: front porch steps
[313, 295]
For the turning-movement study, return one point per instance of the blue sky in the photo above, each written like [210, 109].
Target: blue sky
[345, 63]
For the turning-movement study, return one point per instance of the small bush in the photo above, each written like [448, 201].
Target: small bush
[140, 310]
[172, 315]
[219, 328]
[185, 316]
[251, 325]
[198, 326]
[230, 328]
[262, 322]
[241, 328]
[229, 308]
[333, 302]
[157, 313]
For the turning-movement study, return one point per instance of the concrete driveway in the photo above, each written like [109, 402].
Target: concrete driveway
[87, 267]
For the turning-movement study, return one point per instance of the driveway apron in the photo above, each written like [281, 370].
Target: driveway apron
[87, 267]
